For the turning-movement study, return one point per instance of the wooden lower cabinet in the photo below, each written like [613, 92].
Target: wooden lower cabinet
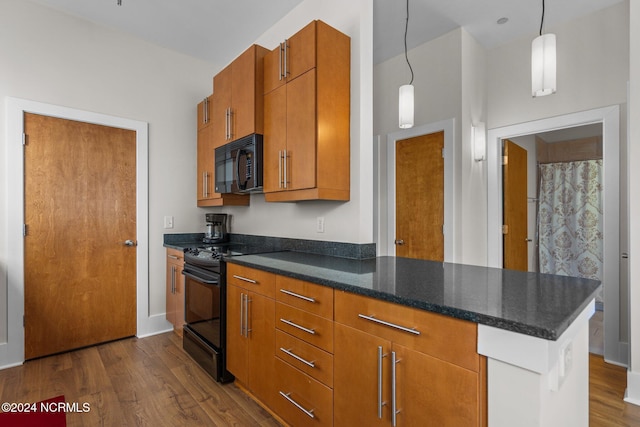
[251, 344]
[175, 289]
[300, 399]
[428, 391]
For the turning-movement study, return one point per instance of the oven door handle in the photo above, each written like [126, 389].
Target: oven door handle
[200, 279]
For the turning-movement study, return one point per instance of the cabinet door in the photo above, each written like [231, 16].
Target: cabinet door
[220, 105]
[261, 347]
[301, 132]
[205, 178]
[204, 113]
[301, 51]
[170, 295]
[237, 343]
[431, 392]
[243, 94]
[275, 138]
[273, 74]
[355, 378]
[179, 299]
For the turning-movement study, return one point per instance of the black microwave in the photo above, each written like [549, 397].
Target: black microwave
[238, 165]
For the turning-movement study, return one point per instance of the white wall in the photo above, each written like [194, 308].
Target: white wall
[633, 376]
[57, 59]
[344, 221]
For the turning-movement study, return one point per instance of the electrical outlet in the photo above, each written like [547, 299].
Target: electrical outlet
[320, 224]
[566, 361]
[168, 221]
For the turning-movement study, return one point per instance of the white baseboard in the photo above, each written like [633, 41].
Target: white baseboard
[632, 393]
[153, 325]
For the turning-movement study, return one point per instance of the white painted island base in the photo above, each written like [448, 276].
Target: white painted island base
[536, 382]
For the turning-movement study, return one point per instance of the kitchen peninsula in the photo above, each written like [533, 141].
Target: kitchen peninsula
[501, 347]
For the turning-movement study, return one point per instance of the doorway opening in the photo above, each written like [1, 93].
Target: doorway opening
[615, 350]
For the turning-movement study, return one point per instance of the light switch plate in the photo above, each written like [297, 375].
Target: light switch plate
[168, 221]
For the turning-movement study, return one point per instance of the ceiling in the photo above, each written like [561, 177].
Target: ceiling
[218, 30]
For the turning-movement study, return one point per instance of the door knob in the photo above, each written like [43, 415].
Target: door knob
[399, 242]
[130, 243]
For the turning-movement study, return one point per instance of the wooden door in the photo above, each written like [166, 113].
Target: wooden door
[420, 197]
[301, 132]
[80, 208]
[237, 344]
[206, 179]
[275, 138]
[262, 341]
[220, 105]
[301, 51]
[273, 74]
[243, 95]
[431, 392]
[515, 243]
[355, 378]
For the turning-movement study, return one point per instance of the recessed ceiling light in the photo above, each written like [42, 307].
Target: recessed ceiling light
[502, 20]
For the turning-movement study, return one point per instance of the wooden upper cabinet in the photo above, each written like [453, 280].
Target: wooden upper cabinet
[205, 179]
[292, 58]
[307, 116]
[238, 89]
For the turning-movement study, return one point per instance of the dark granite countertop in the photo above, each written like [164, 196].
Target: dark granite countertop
[539, 305]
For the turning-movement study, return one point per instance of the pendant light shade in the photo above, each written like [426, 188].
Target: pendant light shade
[405, 96]
[543, 65]
[405, 106]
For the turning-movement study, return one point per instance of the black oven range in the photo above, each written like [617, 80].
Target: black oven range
[204, 334]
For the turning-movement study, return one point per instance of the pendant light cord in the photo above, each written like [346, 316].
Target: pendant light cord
[541, 20]
[406, 28]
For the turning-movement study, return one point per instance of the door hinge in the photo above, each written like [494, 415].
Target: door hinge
[505, 229]
[24, 138]
[23, 322]
[505, 160]
[443, 153]
[25, 230]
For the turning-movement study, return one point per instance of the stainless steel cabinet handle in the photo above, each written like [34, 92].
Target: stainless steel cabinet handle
[245, 279]
[380, 402]
[284, 162]
[242, 315]
[173, 279]
[295, 356]
[394, 403]
[308, 412]
[247, 329]
[286, 53]
[173, 257]
[279, 168]
[293, 294]
[280, 63]
[391, 325]
[295, 325]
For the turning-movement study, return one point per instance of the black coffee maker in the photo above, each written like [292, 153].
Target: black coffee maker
[216, 228]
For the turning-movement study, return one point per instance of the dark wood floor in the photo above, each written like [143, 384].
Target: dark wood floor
[152, 382]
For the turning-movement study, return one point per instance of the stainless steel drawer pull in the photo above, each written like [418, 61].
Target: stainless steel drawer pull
[391, 325]
[302, 328]
[308, 412]
[245, 279]
[173, 257]
[380, 402]
[293, 294]
[298, 358]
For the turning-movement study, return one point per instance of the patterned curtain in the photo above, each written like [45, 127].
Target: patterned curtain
[570, 219]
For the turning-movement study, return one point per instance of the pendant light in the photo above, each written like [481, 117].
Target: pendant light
[405, 103]
[543, 63]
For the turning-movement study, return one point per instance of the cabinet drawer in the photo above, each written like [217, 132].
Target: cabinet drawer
[308, 327]
[175, 255]
[309, 359]
[307, 296]
[258, 281]
[446, 338]
[300, 400]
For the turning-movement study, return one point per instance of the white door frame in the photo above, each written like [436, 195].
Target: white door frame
[614, 350]
[448, 127]
[12, 351]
